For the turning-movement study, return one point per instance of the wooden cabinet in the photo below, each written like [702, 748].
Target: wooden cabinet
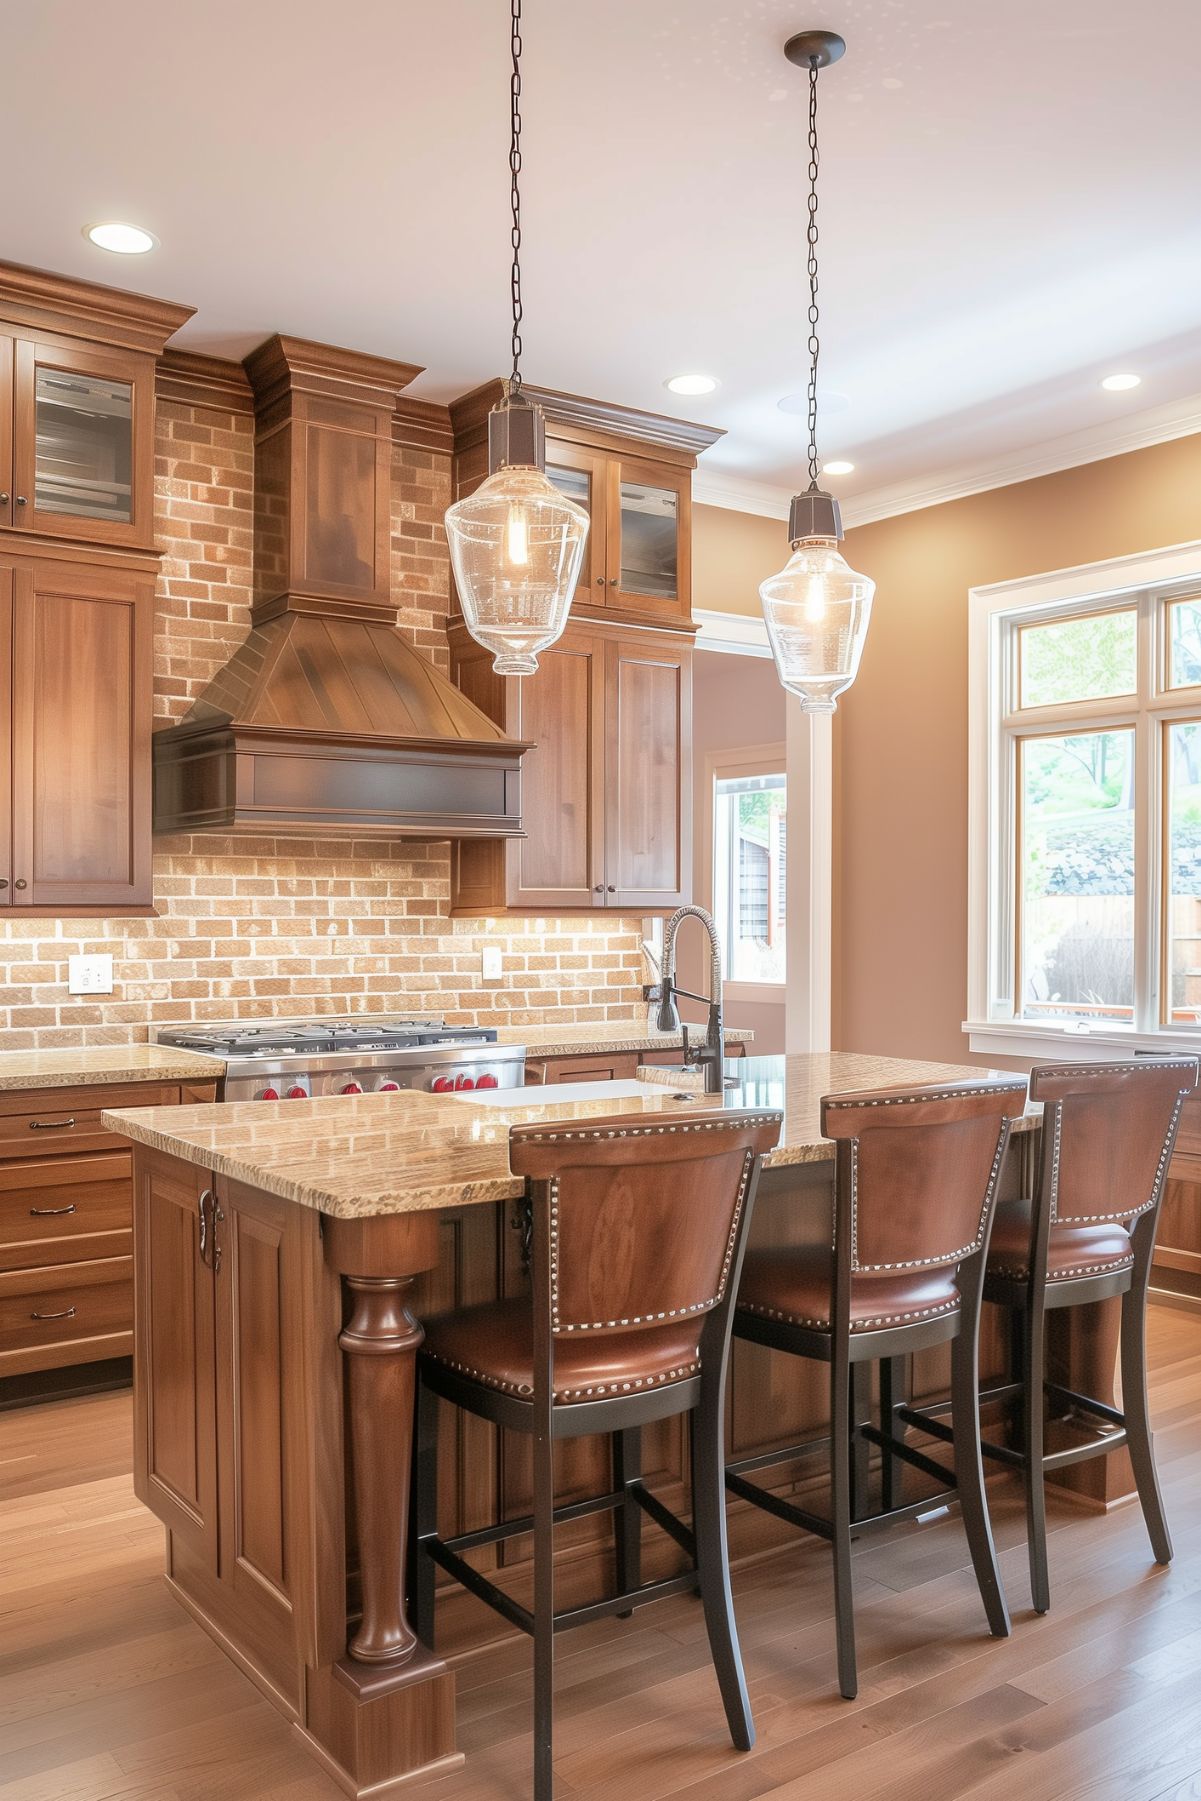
[607, 1066]
[75, 719]
[632, 472]
[66, 1268]
[606, 790]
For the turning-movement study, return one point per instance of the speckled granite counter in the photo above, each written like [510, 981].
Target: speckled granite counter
[75, 1066]
[353, 1156]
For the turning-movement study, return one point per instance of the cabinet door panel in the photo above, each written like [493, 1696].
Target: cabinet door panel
[83, 442]
[583, 475]
[175, 1434]
[559, 862]
[649, 532]
[6, 431]
[81, 751]
[6, 696]
[648, 797]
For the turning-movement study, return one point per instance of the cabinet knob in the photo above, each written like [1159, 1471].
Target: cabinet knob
[613, 580]
[612, 889]
[3, 882]
[600, 580]
[600, 888]
[21, 500]
[3, 500]
[19, 884]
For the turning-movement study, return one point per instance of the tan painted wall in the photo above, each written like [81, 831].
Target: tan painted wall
[731, 554]
[900, 983]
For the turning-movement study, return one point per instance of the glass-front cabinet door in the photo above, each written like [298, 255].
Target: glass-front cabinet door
[648, 538]
[83, 443]
[580, 475]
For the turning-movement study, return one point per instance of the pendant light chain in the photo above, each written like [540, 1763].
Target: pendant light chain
[811, 234]
[515, 190]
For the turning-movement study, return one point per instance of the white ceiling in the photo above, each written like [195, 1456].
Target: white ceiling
[1009, 203]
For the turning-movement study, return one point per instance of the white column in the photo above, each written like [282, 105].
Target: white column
[810, 865]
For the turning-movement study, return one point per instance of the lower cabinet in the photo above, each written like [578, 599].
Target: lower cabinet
[216, 1427]
[66, 1270]
[606, 790]
[605, 1066]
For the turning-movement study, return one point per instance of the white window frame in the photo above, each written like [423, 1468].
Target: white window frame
[753, 759]
[994, 615]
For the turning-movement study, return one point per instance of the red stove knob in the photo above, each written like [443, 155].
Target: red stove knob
[269, 1094]
[351, 1088]
[298, 1093]
[462, 1082]
[442, 1085]
[487, 1082]
[388, 1088]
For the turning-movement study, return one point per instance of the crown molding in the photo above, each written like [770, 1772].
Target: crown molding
[1137, 431]
[736, 634]
[712, 488]
[59, 303]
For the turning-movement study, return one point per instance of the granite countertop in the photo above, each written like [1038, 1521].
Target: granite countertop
[352, 1156]
[604, 1035]
[81, 1066]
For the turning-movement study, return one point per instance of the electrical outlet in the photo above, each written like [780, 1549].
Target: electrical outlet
[490, 963]
[90, 975]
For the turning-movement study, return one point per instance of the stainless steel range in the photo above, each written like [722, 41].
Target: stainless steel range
[287, 1060]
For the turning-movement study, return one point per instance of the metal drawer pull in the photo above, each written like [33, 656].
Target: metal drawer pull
[50, 1125]
[50, 1212]
[67, 1313]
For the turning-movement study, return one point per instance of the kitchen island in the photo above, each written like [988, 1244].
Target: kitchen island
[284, 1259]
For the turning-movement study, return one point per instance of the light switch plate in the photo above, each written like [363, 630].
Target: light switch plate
[490, 963]
[90, 975]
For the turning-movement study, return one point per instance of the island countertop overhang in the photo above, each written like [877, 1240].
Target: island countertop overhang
[359, 1156]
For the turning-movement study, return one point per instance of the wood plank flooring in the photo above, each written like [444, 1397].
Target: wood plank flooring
[108, 1692]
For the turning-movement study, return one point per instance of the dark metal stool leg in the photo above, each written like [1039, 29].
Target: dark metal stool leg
[1138, 1419]
[627, 1519]
[969, 1472]
[425, 1512]
[1033, 1408]
[894, 1393]
[713, 1562]
[840, 1471]
[861, 1414]
[544, 1612]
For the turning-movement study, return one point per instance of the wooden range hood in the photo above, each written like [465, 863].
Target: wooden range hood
[326, 720]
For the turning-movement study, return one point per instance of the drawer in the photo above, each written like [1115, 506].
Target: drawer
[51, 1121]
[70, 1314]
[65, 1210]
[616, 1067]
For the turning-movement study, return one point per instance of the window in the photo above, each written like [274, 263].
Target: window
[749, 845]
[1086, 805]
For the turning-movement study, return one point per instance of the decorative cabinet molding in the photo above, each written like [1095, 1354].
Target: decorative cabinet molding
[606, 788]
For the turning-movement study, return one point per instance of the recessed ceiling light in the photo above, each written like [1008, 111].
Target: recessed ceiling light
[691, 384]
[840, 466]
[1118, 384]
[126, 240]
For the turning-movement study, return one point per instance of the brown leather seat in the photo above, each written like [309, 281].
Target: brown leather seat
[1073, 1250]
[494, 1344]
[796, 1285]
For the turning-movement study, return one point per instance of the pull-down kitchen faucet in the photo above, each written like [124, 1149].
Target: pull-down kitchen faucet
[709, 1057]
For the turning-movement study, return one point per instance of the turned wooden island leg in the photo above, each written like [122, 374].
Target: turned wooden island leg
[383, 1712]
[381, 1339]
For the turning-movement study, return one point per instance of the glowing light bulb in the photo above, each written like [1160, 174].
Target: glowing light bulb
[517, 536]
[815, 600]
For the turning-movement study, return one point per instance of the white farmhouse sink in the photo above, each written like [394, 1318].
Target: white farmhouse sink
[555, 1093]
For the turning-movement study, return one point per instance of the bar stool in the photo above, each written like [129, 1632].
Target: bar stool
[914, 1194]
[1086, 1235]
[638, 1236]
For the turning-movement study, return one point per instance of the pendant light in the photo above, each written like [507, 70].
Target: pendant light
[817, 608]
[516, 544]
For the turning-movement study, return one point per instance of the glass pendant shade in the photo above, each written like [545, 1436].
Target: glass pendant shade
[516, 546]
[817, 610]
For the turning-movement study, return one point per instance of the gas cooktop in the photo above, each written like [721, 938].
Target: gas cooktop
[319, 1037]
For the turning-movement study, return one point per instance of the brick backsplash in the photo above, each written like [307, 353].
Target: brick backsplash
[279, 927]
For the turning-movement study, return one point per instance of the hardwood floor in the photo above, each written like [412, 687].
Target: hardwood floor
[108, 1692]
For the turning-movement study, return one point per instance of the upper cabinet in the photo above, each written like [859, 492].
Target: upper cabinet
[77, 574]
[632, 472]
[77, 366]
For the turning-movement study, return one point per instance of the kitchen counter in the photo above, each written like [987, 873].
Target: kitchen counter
[605, 1035]
[76, 1066]
[358, 1156]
